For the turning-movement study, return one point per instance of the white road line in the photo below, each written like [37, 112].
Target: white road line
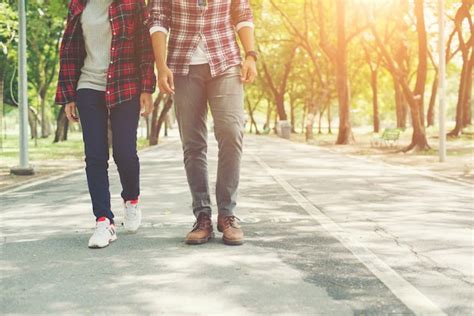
[401, 288]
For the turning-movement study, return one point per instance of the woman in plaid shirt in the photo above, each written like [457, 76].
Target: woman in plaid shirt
[107, 72]
[204, 65]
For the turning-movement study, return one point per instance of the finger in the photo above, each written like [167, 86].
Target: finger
[171, 79]
[243, 73]
[249, 75]
[252, 77]
[147, 111]
[144, 108]
[165, 87]
[68, 113]
[73, 113]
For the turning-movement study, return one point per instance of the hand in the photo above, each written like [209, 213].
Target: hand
[249, 70]
[146, 104]
[70, 110]
[165, 80]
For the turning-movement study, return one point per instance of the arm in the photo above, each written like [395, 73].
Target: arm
[68, 68]
[145, 61]
[144, 51]
[242, 18]
[159, 25]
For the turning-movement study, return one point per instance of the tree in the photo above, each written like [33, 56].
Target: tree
[373, 64]
[277, 85]
[157, 121]
[463, 107]
[45, 26]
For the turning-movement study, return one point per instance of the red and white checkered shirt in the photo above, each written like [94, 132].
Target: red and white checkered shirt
[188, 23]
[131, 68]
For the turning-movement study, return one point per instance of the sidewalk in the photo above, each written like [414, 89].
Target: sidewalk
[326, 235]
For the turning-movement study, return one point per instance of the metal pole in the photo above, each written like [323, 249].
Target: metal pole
[442, 83]
[24, 168]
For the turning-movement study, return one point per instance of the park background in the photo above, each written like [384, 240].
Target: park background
[348, 75]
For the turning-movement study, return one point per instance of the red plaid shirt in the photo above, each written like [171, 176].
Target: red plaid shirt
[188, 23]
[131, 68]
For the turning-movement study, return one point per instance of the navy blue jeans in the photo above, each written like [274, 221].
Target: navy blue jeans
[124, 118]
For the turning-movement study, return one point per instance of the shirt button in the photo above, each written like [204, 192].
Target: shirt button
[110, 76]
[114, 33]
[108, 92]
[113, 48]
[111, 61]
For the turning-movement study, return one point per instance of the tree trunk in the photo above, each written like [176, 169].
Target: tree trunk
[419, 140]
[253, 123]
[456, 132]
[422, 70]
[400, 105]
[375, 101]
[292, 116]
[62, 126]
[463, 107]
[33, 122]
[468, 93]
[310, 122]
[431, 107]
[45, 125]
[303, 118]
[329, 119]
[269, 115]
[154, 116]
[168, 103]
[280, 107]
[342, 80]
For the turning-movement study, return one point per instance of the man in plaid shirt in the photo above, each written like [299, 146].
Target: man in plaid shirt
[204, 65]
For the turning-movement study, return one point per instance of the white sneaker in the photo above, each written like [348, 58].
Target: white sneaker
[133, 216]
[103, 235]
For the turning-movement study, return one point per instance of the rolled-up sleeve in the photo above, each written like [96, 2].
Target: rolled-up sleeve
[160, 15]
[241, 14]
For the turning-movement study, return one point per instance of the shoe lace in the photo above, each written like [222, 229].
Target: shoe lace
[231, 221]
[202, 222]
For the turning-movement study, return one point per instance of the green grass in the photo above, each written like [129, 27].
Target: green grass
[461, 146]
[43, 149]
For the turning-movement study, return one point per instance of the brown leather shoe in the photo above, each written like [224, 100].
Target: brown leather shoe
[232, 233]
[202, 230]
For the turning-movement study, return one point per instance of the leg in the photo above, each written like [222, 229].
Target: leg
[124, 120]
[225, 94]
[191, 113]
[93, 114]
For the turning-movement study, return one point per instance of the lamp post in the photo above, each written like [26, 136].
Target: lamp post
[442, 82]
[24, 168]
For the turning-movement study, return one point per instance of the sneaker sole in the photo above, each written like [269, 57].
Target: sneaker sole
[199, 241]
[98, 247]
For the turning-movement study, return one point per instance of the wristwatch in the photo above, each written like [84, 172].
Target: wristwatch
[252, 54]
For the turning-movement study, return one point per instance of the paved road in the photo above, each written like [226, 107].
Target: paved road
[327, 234]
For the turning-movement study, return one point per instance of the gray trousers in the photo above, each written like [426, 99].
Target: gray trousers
[225, 96]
